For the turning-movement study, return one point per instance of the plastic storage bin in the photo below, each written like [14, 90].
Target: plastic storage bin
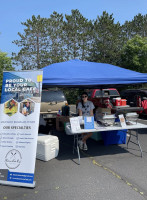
[96, 136]
[47, 147]
[114, 137]
[106, 119]
[131, 118]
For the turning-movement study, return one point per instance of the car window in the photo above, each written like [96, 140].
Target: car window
[123, 93]
[98, 93]
[106, 92]
[145, 92]
[89, 93]
[113, 92]
[142, 95]
[128, 93]
[49, 96]
[131, 94]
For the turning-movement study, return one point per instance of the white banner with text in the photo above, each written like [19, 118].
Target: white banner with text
[19, 121]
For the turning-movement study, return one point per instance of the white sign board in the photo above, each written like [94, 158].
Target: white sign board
[122, 120]
[89, 122]
[75, 124]
[19, 120]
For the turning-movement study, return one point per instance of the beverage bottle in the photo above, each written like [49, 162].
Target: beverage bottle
[59, 113]
[65, 110]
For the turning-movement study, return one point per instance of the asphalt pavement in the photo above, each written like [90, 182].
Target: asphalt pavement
[112, 172]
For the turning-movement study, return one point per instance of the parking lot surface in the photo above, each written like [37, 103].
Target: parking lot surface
[105, 172]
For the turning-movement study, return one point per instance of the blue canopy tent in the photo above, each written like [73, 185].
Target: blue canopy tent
[77, 73]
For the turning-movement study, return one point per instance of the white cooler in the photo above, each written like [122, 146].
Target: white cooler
[47, 147]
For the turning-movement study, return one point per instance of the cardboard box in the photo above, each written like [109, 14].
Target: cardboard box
[103, 110]
[60, 120]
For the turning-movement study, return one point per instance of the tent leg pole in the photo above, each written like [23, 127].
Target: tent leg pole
[78, 149]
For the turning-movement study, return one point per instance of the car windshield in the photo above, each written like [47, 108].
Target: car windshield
[100, 93]
[113, 93]
[49, 96]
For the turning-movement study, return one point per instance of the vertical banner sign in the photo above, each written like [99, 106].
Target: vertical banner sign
[19, 121]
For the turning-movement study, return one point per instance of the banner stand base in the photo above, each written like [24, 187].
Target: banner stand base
[18, 184]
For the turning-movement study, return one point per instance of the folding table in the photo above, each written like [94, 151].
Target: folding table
[104, 128]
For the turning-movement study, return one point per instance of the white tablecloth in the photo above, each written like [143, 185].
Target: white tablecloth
[103, 128]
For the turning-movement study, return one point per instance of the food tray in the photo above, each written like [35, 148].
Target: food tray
[107, 119]
[131, 117]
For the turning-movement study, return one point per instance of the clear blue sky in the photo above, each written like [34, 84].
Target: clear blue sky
[13, 12]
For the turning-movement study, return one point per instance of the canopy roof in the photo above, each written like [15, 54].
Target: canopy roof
[77, 73]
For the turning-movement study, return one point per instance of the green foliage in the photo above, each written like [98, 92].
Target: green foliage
[5, 65]
[55, 41]
[33, 43]
[138, 26]
[72, 94]
[134, 54]
[77, 30]
[106, 40]
[58, 38]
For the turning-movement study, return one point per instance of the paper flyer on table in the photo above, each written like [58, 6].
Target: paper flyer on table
[89, 122]
[80, 119]
[75, 124]
[122, 120]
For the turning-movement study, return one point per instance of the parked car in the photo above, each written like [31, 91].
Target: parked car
[136, 98]
[95, 95]
[100, 97]
[51, 102]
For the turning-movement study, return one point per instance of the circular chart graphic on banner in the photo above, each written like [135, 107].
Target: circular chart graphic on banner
[13, 159]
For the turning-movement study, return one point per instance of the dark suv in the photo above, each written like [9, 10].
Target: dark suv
[136, 97]
[51, 102]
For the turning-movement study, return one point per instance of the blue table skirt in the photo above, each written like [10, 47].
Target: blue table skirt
[114, 137]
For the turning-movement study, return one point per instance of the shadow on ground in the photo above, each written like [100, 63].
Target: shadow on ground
[95, 148]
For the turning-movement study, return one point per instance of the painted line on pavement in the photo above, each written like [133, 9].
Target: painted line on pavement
[115, 175]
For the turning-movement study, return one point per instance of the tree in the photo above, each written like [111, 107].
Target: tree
[5, 65]
[138, 26]
[77, 31]
[33, 43]
[56, 46]
[134, 54]
[76, 92]
[106, 40]
[56, 39]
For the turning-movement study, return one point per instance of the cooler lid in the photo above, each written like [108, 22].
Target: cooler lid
[133, 114]
[45, 139]
[109, 117]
